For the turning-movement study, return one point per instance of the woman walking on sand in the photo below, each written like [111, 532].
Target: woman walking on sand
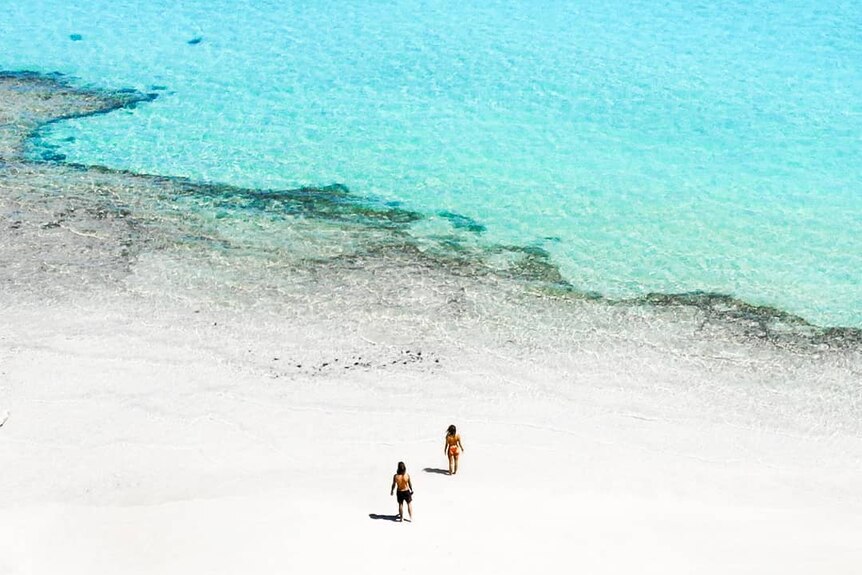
[453, 448]
[401, 480]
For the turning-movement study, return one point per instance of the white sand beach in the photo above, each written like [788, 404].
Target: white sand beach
[141, 443]
[166, 422]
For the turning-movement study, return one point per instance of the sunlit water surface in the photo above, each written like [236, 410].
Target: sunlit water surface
[646, 146]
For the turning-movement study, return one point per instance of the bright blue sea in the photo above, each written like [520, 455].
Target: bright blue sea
[648, 146]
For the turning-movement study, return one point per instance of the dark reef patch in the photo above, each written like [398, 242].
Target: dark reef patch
[47, 86]
[75, 37]
[757, 321]
[534, 264]
[333, 202]
[461, 222]
[195, 41]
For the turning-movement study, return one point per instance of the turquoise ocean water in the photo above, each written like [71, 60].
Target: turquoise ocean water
[647, 146]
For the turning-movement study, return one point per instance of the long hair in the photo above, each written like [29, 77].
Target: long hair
[402, 469]
[451, 430]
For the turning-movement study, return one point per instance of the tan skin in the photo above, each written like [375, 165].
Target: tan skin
[453, 441]
[402, 482]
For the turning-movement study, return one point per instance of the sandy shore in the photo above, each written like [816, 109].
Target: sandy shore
[170, 414]
[148, 444]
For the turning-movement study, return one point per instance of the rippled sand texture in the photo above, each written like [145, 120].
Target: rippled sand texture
[174, 353]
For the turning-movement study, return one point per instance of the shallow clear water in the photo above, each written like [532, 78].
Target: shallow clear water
[647, 146]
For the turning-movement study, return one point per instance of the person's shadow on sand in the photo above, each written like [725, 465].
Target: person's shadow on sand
[383, 517]
[436, 470]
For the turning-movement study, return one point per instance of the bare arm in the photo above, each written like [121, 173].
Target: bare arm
[410, 484]
[459, 443]
[392, 489]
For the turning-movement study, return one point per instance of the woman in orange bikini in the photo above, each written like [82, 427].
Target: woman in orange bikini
[453, 448]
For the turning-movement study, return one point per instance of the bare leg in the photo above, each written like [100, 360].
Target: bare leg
[456, 465]
[401, 509]
[410, 510]
[452, 466]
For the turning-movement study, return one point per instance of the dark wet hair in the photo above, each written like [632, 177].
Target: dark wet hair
[402, 469]
[451, 430]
